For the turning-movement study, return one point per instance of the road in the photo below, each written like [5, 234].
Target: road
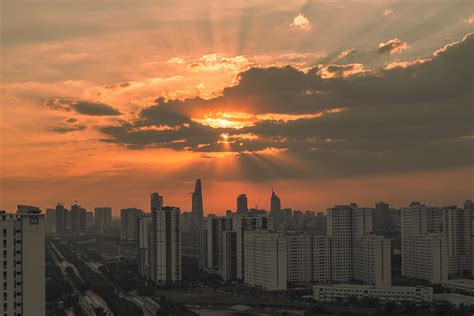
[88, 302]
[149, 306]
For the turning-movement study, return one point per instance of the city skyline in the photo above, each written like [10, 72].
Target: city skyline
[260, 203]
[323, 100]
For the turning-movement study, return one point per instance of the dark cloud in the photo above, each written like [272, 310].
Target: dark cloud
[406, 116]
[71, 120]
[68, 129]
[82, 107]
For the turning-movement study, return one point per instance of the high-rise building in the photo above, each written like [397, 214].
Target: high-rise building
[128, 223]
[382, 220]
[242, 224]
[215, 227]
[265, 260]
[197, 206]
[51, 219]
[424, 249]
[61, 218]
[143, 245]
[103, 217]
[242, 206]
[456, 228]
[228, 267]
[89, 219]
[156, 201]
[355, 252]
[275, 210]
[23, 249]
[372, 260]
[309, 258]
[165, 245]
[78, 219]
[339, 228]
[202, 249]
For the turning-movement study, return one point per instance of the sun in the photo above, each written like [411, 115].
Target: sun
[235, 120]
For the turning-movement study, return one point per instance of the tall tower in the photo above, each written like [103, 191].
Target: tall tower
[156, 201]
[197, 208]
[242, 207]
[23, 249]
[275, 210]
[165, 245]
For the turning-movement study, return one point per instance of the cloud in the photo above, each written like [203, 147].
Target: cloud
[389, 119]
[469, 20]
[71, 120]
[333, 70]
[68, 129]
[300, 22]
[393, 46]
[82, 107]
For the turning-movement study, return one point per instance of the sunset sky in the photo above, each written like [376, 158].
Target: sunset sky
[325, 101]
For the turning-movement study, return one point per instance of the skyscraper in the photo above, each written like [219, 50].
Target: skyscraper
[23, 249]
[165, 245]
[275, 210]
[381, 217]
[156, 201]
[143, 245]
[78, 219]
[103, 217]
[197, 207]
[128, 223]
[61, 218]
[242, 207]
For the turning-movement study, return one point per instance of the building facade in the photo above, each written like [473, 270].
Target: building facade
[265, 260]
[165, 245]
[23, 249]
[128, 223]
[102, 217]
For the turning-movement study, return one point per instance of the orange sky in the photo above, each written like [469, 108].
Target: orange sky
[80, 119]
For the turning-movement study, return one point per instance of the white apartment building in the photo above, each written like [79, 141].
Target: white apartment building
[336, 293]
[128, 223]
[308, 258]
[165, 245]
[265, 256]
[143, 246]
[346, 224]
[372, 260]
[321, 263]
[456, 227]
[424, 247]
[23, 250]
[426, 258]
[244, 223]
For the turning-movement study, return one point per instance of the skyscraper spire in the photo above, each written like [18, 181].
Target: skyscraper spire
[197, 206]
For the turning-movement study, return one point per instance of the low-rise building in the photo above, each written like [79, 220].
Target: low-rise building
[459, 285]
[338, 293]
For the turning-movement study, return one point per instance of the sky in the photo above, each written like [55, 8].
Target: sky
[327, 102]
